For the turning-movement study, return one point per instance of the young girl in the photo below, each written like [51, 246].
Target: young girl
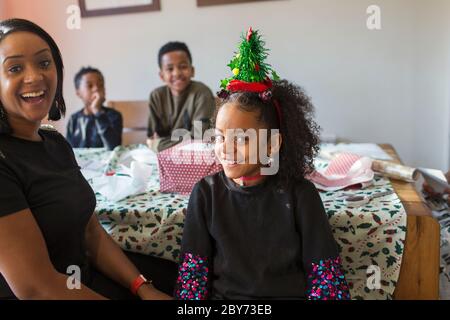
[254, 236]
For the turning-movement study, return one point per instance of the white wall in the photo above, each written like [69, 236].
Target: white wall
[432, 83]
[3, 12]
[366, 85]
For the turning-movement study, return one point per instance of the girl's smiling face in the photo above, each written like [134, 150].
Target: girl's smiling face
[28, 77]
[237, 141]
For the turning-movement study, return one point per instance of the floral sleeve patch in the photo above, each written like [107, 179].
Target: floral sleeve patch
[326, 281]
[192, 281]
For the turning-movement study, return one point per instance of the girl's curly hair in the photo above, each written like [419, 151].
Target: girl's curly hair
[299, 131]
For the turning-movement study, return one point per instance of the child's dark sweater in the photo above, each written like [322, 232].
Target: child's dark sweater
[95, 131]
[258, 242]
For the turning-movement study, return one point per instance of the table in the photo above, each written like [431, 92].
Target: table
[419, 274]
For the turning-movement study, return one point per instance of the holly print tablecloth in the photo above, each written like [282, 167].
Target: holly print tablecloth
[149, 223]
[370, 238]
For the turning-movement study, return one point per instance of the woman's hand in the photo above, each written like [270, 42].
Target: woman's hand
[149, 292]
[108, 258]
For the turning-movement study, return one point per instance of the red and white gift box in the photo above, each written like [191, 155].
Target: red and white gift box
[183, 165]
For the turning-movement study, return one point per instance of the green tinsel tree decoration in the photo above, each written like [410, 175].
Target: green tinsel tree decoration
[249, 64]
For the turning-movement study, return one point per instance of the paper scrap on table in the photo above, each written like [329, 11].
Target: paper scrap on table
[435, 178]
[91, 168]
[94, 165]
[126, 181]
[395, 170]
[344, 170]
[91, 174]
[143, 155]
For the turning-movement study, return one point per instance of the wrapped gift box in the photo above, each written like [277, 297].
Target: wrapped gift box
[183, 165]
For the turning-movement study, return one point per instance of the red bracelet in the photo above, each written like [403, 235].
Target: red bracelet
[137, 283]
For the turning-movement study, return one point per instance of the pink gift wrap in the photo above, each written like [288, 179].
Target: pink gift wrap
[183, 165]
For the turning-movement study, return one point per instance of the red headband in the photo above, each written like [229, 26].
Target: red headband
[257, 87]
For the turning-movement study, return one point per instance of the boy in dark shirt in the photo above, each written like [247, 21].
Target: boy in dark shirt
[180, 102]
[94, 126]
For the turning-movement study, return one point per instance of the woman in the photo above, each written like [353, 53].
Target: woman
[47, 226]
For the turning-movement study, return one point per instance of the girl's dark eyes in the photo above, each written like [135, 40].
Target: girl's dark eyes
[218, 139]
[45, 64]
[237, 139]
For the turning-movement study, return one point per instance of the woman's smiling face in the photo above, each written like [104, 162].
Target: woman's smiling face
[28, 77]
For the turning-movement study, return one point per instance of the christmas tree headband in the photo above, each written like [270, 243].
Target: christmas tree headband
[250, 71]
